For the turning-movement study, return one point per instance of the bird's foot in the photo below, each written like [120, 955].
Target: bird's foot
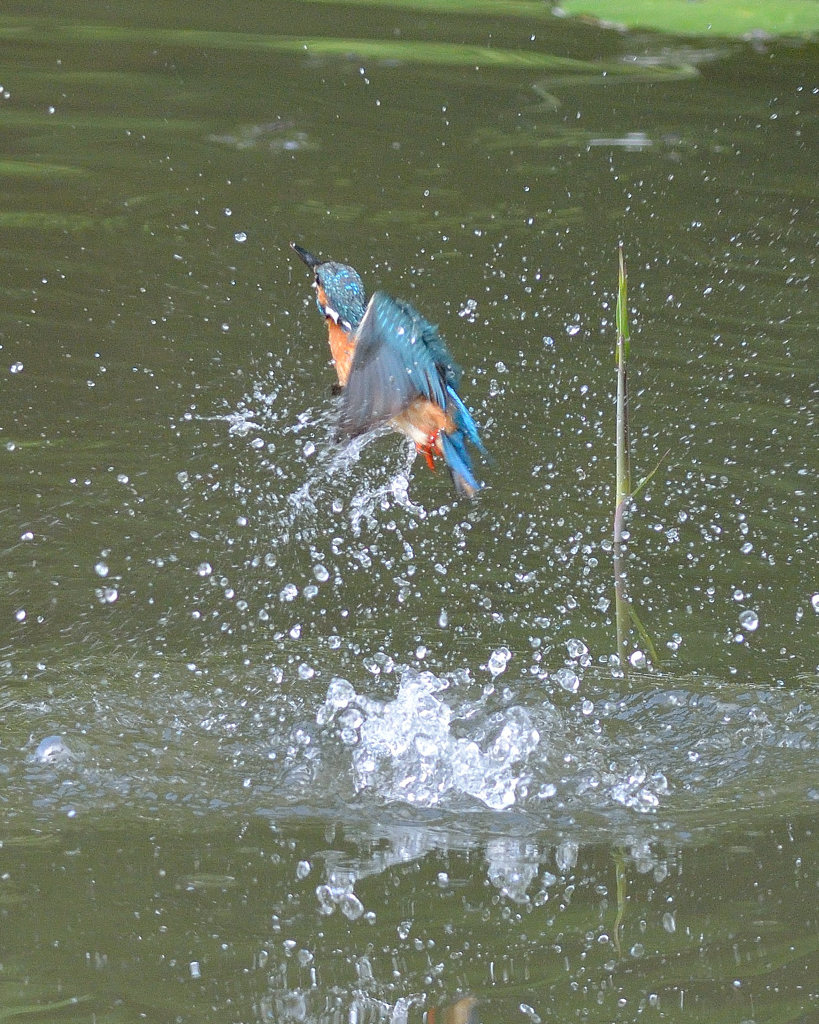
[427, 449]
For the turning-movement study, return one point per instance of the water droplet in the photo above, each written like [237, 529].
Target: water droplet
[814, 602]
[321, 573]
[20, 615]
[204, 569]
[195, 970]
[351, 906]
[303, 869]
[576, 648]
[16, 368]
[469, 310]
[324, 895]
[101, 569]
[749, 620]
[567, 679]
[240, 236]
[637, 659]
[498, 661]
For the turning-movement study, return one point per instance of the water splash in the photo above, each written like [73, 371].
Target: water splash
[407, 749]
[640, 792]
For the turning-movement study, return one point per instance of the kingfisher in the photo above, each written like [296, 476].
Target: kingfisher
[394, 367]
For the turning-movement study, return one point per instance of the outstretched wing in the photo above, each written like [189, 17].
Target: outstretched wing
[392, 366]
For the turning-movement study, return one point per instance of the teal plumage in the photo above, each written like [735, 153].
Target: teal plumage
[394, 367]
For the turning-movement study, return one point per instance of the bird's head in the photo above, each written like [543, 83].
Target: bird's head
[340, 294]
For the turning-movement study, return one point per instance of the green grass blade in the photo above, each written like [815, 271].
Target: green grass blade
[622, 306]
[644, 480]
[643, 634]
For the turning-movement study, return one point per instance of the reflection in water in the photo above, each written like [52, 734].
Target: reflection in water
[430, 933]
[272, 137]
[463, 1011]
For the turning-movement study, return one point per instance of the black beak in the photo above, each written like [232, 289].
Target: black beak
[311, 260]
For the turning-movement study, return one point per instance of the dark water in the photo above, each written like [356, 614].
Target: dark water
[292, 733]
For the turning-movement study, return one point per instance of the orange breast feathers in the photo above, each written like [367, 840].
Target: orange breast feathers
[342, 348]
[341, 345]
[421, 422]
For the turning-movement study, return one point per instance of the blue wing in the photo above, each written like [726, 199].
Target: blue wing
[399, 357]
[392, 365]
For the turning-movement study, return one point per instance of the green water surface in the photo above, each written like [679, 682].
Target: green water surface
[189, 558]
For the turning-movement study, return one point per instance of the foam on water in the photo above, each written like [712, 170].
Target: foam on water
[52, 750]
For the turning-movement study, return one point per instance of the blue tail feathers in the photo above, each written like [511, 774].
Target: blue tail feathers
[458, 462]
[463, 418]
